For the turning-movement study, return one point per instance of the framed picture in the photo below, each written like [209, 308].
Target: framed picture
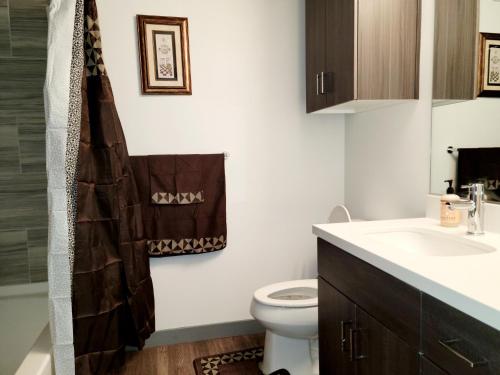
[164, 53]
[489, 65]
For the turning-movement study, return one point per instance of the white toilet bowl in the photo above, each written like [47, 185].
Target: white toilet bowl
[289, 312]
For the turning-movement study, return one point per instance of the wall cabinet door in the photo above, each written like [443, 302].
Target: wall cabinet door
[387, 53]
[336, 319]
[315, 53]
[340, 64]
[429, 368]
[330, 66]
[455, 49]
[379, 351]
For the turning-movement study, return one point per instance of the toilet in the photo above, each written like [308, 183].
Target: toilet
[289, 312]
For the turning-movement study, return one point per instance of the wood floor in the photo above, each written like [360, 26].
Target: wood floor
[178, 359]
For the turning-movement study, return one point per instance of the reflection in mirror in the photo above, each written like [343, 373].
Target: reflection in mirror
[465, 116]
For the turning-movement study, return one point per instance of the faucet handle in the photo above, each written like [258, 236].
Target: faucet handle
[468, 187]
[476, 189]
[473, 185]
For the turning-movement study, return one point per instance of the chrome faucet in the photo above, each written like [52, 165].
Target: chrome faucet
[474, 206]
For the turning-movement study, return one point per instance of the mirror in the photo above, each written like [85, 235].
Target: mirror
[466, 96]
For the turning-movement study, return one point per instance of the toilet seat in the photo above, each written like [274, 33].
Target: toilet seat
[296, 293]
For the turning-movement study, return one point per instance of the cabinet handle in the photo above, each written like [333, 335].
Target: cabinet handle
[449, 345]
[320, 84]
[343, 339]
[353, 355]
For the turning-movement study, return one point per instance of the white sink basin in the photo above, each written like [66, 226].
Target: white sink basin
[429, 242]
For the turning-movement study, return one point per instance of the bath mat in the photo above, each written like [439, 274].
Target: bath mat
[243, 362]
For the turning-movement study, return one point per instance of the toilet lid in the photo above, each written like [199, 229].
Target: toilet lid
[340, 214]
[296, 293]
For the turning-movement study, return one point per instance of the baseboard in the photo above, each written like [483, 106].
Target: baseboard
[205, 332]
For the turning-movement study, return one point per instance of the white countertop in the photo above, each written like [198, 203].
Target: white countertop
[469, 283]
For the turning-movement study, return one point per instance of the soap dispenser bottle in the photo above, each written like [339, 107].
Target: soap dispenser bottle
[449, 218]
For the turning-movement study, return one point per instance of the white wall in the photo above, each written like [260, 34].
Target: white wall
[466, 124]
[488, 19]
[388, 150]
[286, 169]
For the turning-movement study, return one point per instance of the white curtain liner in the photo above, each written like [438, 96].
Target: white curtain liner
[61, 16]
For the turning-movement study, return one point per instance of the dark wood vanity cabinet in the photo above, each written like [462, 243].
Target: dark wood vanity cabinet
[359, 52]
[372, 323]
[429, 368]
[356, 343]
[360, 332]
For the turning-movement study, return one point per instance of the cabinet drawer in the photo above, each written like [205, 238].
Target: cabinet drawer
[393, 303]
[458, 343]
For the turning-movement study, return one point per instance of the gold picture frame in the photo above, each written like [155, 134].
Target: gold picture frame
[164, 55]
[489, 65]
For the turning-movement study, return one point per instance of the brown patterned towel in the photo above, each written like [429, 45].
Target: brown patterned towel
[176, 179]
[183, 201]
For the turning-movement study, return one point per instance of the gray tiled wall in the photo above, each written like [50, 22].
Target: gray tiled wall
[23, 187]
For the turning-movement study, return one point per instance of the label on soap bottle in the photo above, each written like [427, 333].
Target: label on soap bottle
[449, 218]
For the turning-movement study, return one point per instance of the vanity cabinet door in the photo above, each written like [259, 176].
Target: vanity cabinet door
[379, 351]
[336, 319]
[429, 368]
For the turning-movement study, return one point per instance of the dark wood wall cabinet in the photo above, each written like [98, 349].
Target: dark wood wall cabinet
[361, 54]
[372, 323]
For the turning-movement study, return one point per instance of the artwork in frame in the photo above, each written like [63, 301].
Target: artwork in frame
[489, 65]
[164, 55]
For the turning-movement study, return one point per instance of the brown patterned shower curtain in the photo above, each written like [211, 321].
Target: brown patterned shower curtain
[113, 304]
